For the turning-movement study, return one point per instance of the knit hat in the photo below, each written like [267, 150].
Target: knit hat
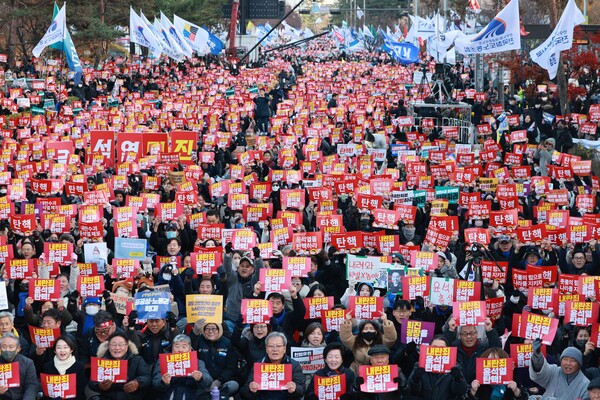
[574, 353]
[442, 254]
[379, 349]
[92, 300]
[551, 141]
[594, 384]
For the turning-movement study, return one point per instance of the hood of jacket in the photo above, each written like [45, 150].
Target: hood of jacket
[219, 327]
[103, 349]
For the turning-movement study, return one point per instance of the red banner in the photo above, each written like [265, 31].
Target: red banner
[378, 379]
[108, 370]
[272, 376]
[437, 359]
[256, 311]
[494, 371]
[59, 386]
[178, 364]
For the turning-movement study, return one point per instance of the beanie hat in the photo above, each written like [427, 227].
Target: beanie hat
[594, 384]
[92, 300]
[574, 353]
[379, 349]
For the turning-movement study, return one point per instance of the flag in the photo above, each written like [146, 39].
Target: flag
[404, 53]
[547, 55]
[54, 34]
[438, 44]
[503, 33]
[174, 35]
[250, 27]
[68, 47]
[359, 13]
[367, 32]
[141, 34]
[167, 40]
[166, 48]
[214, 43]
[196, 37]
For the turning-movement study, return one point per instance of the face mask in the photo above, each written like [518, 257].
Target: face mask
[92, 310]
[581, 343]
[409, 233]
[167, 277]
[538, 105]
[479, 223]
[235, 263]
[171, 234]
[536, 169]
[9, 355]
[544, 98]
[276, 188]
[2, 191]
[369, 336]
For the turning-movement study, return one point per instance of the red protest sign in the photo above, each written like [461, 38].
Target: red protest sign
[178, 364]
[44, 289]
[307, 243]
[20, 268]
[581, 313]
[494, 371]
[275, 280]
[42, 337]
[316, 305]
[466, 291]
[332, 319]
[298, 266]
[124, 268]
[492, 272]
[413, 286]
[59, 386]
[9, 375]
[521, 354]
[378, 379]
[256, 311]
[425, 260]
[543, 299]
[59, 253]
[534, 326]
[469, 313]
[205, 262]
[90, 285]
[330, 387]
[365, 307]
[272, 376]
[437, 359]
[103, 369]
[243, 239]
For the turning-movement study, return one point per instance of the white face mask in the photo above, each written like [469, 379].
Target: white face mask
[235, 264]
[92, 310]
[167, 277]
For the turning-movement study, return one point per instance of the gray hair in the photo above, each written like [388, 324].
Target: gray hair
[182, 338]
[274, 335]
[7, 314]
[10, 335]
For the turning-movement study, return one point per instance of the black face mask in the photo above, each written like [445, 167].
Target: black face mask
[369, 336]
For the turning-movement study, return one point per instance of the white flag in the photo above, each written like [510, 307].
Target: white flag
[194, 35]
[547, 54]
[141, 34]
[503, 33]
[55, 33]
[367, 32]
[166, 49]
[359, 13]
[167, 41]
[176, 36]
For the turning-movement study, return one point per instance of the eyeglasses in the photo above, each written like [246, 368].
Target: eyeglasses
[117, 345]
[210, 329]
[275, 346]
[474, 333]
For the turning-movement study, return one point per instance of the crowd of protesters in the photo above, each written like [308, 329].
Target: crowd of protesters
[340, 129]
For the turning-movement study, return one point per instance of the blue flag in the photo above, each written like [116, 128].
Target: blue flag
[215, 44]
[404, 53]
[68, 47]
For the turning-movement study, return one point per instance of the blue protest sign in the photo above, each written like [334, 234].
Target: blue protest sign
[152, 304]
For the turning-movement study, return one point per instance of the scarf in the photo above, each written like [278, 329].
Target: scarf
[63, 366]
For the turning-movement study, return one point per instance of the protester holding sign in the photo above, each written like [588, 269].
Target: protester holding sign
[137, 380]
[334, 381]
[370, 333]
[564, 381]
[26, 385]
[293, 382]
[176, 387]
[65, 363]
[466, 339]
[426, 385]
[384, 381]
[501, 390]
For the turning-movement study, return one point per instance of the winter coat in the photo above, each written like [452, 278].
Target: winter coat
[361, 356]
[78, 369]
[219, 356]
[554, 380]
[151, 345]
[297, 378]
[136, 369]
[27, 390]
[438, 386]
[310, 389]
[468, 363]
[239, 288]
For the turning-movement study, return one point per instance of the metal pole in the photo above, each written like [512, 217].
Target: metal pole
[416, 8]
[585, 9]
[364, 18]
[272, 29]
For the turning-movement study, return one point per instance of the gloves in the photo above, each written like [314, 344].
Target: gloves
[198, 326]
[133, 316]
[359, 380]
[418, 374]
[537, 346]
[222, 274]
[171, 319]
[568, 327]
[216, 383]
[256, 252]
[331, 251]
[106, 295]
[410, 348]
[515, 297]
[228, 248]
[456, 374]
[74, 296]
[419, 303]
